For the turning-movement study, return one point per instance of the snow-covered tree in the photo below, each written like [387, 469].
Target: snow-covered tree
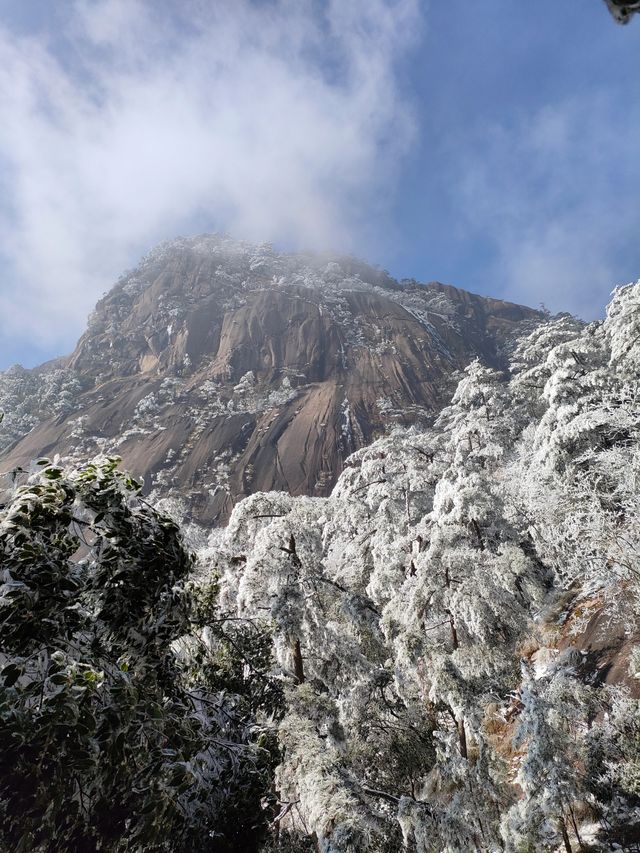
[420, 661]
[418, 611]
[623, 10]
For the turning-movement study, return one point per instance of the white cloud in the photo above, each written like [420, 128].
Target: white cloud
[278, 120]
[545, 191]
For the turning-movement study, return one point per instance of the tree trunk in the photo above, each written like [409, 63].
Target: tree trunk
[462, 736]
[478, 532]
[575, 829]
[454, 634]
[298, 667]
[565, 836]
[462, 733]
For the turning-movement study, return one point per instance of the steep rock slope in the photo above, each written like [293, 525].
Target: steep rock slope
[218, 368]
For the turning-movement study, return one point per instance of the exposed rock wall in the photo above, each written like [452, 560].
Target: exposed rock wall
[217, 369]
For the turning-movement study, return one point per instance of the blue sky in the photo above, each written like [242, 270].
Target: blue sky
[489, 145]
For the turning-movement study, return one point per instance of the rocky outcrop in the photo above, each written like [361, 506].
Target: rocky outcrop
[217, 369]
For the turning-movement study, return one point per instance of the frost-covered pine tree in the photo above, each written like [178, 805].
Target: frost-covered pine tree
[423, 615]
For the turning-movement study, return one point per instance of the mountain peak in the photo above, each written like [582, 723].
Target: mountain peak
[217, 368]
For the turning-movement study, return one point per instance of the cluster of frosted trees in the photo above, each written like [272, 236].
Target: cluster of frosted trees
[426, 618]
[27, 397]
[623, 10]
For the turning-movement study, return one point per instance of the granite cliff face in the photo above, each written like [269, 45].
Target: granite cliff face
[218, 368]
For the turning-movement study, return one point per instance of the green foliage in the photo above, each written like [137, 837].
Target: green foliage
[109, 740]
[234, 654]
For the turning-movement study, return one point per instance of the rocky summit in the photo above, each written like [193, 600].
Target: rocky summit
[219, 368]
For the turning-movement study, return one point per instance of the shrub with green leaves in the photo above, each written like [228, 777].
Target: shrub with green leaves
[110, 738]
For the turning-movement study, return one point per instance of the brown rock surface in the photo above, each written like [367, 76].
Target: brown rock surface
[217, 369]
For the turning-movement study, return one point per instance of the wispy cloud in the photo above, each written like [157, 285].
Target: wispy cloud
[554, 192]
[278, 120]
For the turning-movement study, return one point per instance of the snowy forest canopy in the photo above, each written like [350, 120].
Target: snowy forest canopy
[443, 655]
